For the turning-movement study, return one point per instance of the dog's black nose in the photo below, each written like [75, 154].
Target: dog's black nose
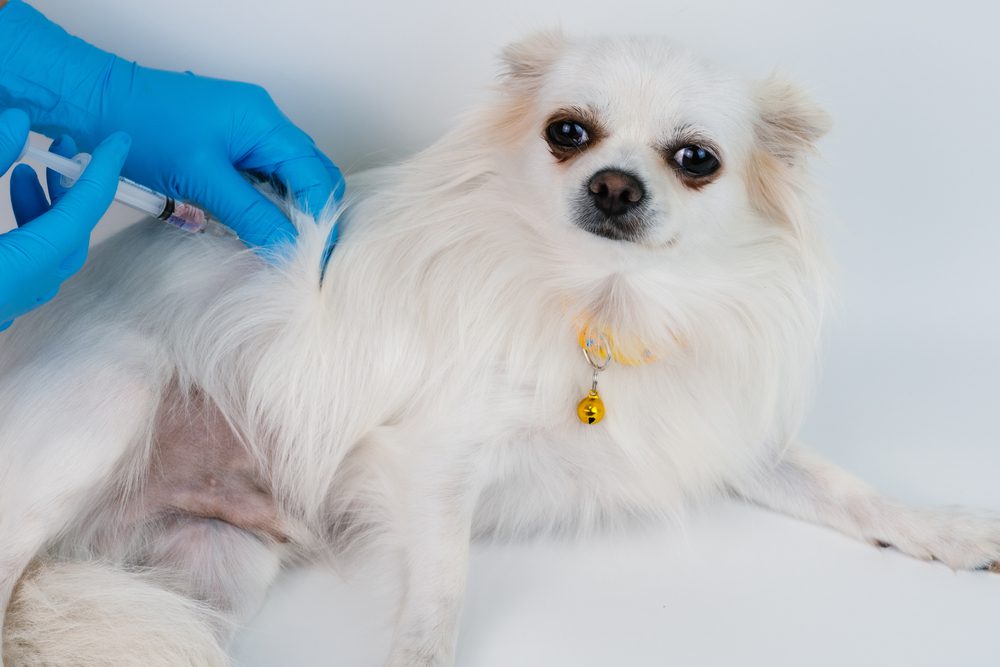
[614, 192]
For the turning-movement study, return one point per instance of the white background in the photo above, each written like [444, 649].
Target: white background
[909, 397]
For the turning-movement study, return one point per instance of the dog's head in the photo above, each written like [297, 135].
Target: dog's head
[637, 142]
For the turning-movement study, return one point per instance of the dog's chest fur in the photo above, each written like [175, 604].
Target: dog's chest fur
[655, 450]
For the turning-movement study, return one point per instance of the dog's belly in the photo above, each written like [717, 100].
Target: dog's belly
[199, 468]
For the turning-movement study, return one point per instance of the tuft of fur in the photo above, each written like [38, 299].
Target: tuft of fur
[89, 614]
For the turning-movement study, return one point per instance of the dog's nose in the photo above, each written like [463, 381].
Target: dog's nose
[614, 192]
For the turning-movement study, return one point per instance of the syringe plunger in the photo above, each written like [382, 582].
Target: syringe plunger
[186, 216]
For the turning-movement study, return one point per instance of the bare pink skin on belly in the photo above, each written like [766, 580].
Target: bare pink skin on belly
[200, 468]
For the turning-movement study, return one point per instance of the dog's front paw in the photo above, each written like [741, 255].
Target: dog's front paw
[959, 538]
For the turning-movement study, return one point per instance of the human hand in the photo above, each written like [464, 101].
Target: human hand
[192, 136]
[51, 240]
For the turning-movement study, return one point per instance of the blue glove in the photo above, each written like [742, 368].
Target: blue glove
[191, 136]
[50, 242]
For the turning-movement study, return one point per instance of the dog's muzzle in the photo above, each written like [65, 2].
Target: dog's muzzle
[613, 205]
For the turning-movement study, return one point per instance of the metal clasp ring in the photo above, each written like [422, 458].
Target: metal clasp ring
[600, 365]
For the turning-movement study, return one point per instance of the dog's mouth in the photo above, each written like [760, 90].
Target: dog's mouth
[630, 226]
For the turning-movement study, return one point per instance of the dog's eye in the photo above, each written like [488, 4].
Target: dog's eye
[567, 134]
[696, 161]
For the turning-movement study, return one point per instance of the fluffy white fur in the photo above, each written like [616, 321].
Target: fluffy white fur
[426, 393]
[90, 614]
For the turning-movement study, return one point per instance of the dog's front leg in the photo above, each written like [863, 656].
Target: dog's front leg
[434, 520]
[802, 484]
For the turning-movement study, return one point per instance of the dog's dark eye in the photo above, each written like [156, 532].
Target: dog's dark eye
[567, 134]
[696, 161]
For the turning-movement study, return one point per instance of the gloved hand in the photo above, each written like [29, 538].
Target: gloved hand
[50, 242]
[191, 135]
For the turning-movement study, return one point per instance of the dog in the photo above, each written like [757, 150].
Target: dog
[596, 300]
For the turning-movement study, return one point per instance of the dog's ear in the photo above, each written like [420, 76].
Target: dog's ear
[525, 62]
[787, 127]
[789, 123]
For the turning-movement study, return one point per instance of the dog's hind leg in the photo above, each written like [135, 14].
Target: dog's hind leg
[213, 524]
[214, 562]
[803, 485]
[62, 430]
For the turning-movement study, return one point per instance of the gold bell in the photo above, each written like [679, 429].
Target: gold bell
[591, 409]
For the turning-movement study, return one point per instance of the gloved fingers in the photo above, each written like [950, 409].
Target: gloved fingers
[70, 221]
[331, 241]
[310, 181]
[236, 203]
[50, 293]
[26, 194]
[66, 147]
[268, 147]
[27, 197]
[290, 155]
[73, 262]
[337, 197]
[14, 127]
[335, 175]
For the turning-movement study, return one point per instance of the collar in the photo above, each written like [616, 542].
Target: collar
[600, 343]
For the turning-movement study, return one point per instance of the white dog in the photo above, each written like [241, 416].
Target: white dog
[186, 418]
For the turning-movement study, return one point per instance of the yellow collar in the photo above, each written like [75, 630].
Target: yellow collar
[600, 348]
[597, 342]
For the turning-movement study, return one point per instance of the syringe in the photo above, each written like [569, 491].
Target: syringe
[180, 214]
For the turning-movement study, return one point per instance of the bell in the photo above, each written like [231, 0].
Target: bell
[591, 409]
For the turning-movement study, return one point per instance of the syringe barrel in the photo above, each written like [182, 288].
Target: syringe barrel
[129, 193]
[139, 197]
